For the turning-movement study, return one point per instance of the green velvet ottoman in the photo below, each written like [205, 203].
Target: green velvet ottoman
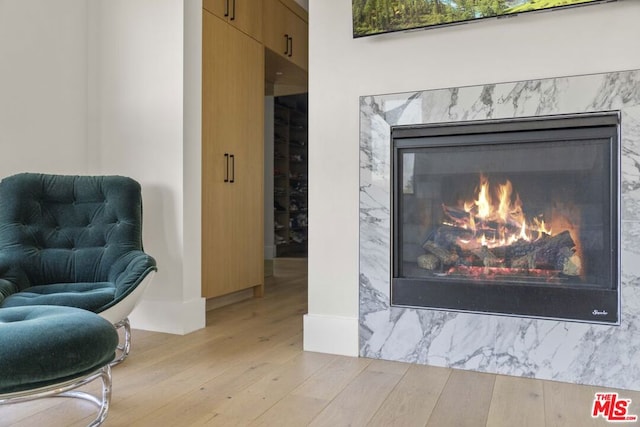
[48, 351]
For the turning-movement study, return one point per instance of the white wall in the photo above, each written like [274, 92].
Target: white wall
[583, 40]
[43, 86]
[113, 87]
[145, 123]
[192, 150]
[136, 111]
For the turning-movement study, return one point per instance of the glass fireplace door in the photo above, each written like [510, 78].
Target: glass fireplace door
[508, 217]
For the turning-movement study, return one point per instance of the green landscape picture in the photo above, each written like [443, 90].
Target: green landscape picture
[382, 16]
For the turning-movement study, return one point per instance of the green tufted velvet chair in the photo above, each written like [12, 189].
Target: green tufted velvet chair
[73, 241]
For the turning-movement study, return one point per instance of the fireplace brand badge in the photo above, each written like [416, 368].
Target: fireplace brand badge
[612, 408]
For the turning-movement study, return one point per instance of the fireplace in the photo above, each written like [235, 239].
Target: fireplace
[517, 217]
[536, 346]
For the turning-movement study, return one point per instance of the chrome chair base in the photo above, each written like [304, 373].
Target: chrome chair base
[123, 348]
[68, 389]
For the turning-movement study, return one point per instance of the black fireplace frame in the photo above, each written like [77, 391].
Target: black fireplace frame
[593, 304]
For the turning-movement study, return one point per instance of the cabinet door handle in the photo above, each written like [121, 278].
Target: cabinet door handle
[233, 10]
[286, 44]
[226, 8]
[233, 168]
[290, 48]
[226, 171]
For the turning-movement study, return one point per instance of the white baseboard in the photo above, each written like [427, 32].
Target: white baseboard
[173, 317]
[331, 334]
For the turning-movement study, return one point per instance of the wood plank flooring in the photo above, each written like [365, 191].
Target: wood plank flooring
[247, 368]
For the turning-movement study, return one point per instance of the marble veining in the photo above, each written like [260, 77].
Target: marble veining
[600, 355]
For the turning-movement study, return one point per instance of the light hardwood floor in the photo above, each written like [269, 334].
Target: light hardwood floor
[247, 368]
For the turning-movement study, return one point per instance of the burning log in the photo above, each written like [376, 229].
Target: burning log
[549, 252]
[460, 217]
[527, 261]
[552, 253]
[428, 262]
[545, 252]
[521, 248]
[488, 258]
[570, 262]
[446, 249]
[456, 215]
[445, 256]
[447, 236]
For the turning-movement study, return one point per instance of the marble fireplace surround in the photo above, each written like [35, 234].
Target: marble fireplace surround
[581, 353]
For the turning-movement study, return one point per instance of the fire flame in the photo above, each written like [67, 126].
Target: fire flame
[500, 220]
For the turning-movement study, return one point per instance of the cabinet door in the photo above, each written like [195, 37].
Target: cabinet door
[299, 45]
[285, 33]
[216, 193]
[275, 27]
[232, 144]
[220, 8]
[246, 108]
[246, 15]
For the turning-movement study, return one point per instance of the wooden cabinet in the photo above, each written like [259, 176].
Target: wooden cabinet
[286, 31]
[232, 159]
[245, 15]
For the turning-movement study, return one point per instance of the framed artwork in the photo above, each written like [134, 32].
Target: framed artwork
[383, 16]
